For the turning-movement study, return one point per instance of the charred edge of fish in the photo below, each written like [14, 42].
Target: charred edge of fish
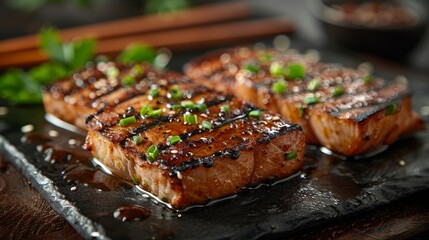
[374, 107]
[207, 161]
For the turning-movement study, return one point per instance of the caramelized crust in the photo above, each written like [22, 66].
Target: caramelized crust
[348, 113]
[238, 144]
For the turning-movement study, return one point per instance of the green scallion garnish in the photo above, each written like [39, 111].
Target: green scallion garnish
[176, 106]
[127, 121]
[154, 92]
[279, 87]
[156, 113]
[187, 104]
[225, 108]
[251, 67]
[171, 140]
[337, 91]
[390, 109]
[135, 179]
[290, 155]
[207, 125]
[152, 153]
[295, 70]
[190, 119]
[255, 113]
[314, 84]
[146, 111]
[367, 79]
[277, 69]
[112, 72]
[175, 93]
[137, 139]
[310, 100]
[201, 107]
[137, 69]
[128, 80]
[265, 57]
[300, 109]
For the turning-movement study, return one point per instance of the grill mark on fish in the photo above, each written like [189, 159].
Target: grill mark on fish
[164, 119]
[234, 152]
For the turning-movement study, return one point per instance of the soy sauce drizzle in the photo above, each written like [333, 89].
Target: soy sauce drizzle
[129, 213]
[67, 156]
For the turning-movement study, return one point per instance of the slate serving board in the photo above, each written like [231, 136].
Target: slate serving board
[327, 189]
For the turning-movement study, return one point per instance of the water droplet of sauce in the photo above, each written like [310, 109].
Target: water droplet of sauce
[131, 213]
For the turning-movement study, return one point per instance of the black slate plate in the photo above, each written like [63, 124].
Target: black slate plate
[327, 188]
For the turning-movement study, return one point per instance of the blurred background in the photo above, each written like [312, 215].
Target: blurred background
[24, 17]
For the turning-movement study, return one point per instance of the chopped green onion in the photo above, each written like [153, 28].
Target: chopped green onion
[146, 111]
[137, 139]
[279, 87]
[176, 106]
[225, 108]
[266, 57]
[137, 69]
[300, 109]
[290, 155]
[310, 100]
[155, 113]
[127, 121]
[255, 113]
[390, 109]
[252, 68]
[367, 79]
[175, 93]
[171, 140]
[112, 72]
[135, 179]
[154, 92]
[295, 70]
[314, 84]
[201, 107]
[277, 69]
[128, 80]
[190, 119]
[187, 104]
[337, 91]
[152, 153]
[207, 125]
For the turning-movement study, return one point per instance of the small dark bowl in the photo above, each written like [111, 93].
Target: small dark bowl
[395, 42]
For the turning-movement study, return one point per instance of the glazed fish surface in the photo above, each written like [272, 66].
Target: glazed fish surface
[345, 110]
[181, 141]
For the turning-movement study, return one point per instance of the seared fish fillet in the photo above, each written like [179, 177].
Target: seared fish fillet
[345, 110]
[98, 87]
[180, 141]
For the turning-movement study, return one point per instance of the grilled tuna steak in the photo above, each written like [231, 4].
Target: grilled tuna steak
[98, 87]
[180, 141]
[345, 110]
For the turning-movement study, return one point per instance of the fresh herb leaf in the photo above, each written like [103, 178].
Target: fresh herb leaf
[137, 53]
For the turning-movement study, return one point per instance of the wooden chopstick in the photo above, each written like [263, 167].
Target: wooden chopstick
[150, 23]
[180, 39]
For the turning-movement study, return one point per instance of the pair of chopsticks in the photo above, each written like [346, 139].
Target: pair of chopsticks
[204, 26]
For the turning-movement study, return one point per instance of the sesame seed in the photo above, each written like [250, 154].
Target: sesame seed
[27, 128]
[53, 133]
